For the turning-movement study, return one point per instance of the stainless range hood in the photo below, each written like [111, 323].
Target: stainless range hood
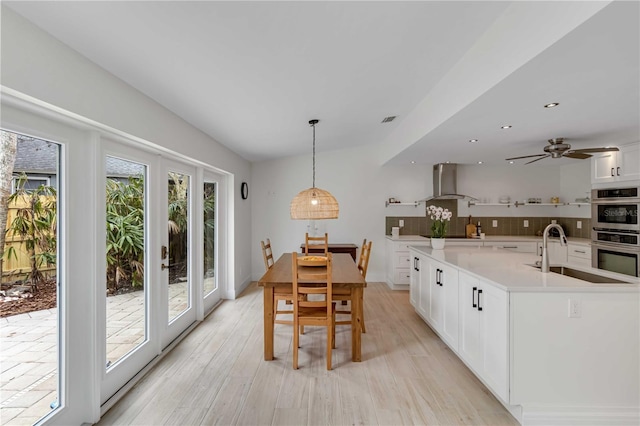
[445, 185]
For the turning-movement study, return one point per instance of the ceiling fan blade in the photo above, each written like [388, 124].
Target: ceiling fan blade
[580, 155]
[587, 150]
[538, 159]
[527, 156]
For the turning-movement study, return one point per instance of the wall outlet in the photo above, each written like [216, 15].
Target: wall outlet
[554, 221]
[525, 223]
[575, 308]
[495, 223]
[579, 224]
[401, 223]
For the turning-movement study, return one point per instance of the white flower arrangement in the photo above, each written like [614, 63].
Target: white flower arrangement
[440, 218]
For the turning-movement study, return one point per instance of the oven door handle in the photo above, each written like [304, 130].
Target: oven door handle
[623, 248]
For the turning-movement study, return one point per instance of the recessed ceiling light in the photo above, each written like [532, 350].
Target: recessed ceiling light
[511, 162]
[506, 126]
[551, 105]
[473, 140]
[479, 162]
[413, 162]
[389, 119]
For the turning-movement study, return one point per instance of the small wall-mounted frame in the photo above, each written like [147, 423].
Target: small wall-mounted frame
[244, 190]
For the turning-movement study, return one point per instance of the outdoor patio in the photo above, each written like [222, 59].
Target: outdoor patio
[28, 358]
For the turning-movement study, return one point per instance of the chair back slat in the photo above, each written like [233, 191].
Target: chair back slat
[267, 254]
[321, 243]
[363, 262]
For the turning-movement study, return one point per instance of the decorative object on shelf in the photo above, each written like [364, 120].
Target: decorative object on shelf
[314, 203]
[505, 199]
[440, 218]
[555, 200]
[244, 190]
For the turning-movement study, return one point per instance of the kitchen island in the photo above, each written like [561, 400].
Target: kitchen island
[552, 349]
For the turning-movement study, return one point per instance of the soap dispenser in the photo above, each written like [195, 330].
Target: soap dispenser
[478, 229]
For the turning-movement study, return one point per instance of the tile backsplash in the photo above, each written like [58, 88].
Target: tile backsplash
[504, 225]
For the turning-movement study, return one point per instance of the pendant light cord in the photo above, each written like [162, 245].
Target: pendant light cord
[314, 154]
[313, 123]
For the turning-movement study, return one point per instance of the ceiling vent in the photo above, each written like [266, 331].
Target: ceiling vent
[389, 119]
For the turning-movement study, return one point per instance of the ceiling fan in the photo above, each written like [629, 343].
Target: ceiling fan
[557, 148]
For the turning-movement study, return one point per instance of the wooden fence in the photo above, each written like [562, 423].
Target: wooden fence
[18, 267]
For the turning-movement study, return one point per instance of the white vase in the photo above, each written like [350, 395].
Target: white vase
[437, 243]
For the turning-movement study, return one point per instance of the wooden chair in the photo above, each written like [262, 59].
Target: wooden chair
[267, 255]
[318, 309]
[316, 243]
[340, 295]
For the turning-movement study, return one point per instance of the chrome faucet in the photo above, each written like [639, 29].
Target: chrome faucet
[545, 236]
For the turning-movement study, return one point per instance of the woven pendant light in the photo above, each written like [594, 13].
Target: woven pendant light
[314, 203]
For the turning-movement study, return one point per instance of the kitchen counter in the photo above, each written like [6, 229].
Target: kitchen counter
[512, 271]
[493, 238]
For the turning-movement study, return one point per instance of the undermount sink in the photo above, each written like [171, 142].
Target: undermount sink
[582, 275]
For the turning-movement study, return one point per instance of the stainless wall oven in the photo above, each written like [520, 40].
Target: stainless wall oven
[615, 208]
[615, 236]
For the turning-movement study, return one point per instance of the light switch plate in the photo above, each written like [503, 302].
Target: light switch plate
[579, 224]
[526, 223]
[401, 223]
[495, 223]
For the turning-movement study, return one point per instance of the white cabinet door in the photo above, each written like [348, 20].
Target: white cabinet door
[449, 300]
[494, 321]
[435, 305]
[620, 166]
[629, 162]
[414, 281]
[469, 345]
[603, 167]
[423, 281]
[484, 333]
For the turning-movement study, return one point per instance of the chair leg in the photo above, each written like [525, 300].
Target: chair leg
[296, 338]
[333, 330]
[330, 344]
[364, 329]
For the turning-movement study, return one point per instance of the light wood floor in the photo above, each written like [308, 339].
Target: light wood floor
[217, 375]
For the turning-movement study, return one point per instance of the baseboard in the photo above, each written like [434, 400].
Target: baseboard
[393, 286]
[580, 415]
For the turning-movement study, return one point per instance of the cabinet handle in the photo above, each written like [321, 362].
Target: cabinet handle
[612, 174]
[514, 247]
[417, 264]
[479, 293]
[473, 298]
[441, 273]
[618, 171]
[580, 251]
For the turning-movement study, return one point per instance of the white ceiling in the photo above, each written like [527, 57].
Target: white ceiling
[252, 74]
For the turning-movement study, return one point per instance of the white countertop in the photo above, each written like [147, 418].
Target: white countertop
[510, 271]
[493, 238]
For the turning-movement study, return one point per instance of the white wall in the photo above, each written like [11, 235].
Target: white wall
[361, 187]
[488, 183]
[35, 64]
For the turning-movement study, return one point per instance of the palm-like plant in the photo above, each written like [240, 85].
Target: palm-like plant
[35, 222]
[125, 232]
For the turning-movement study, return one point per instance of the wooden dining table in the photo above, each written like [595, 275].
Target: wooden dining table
[345, 275]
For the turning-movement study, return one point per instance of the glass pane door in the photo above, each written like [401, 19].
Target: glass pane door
[30, 340]
[176, 251]
[213, 255]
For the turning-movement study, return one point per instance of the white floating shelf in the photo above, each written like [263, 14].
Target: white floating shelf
[518, 204]
[414, 204]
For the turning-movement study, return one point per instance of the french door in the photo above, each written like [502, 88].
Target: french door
[177, 269]
[150, 259]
